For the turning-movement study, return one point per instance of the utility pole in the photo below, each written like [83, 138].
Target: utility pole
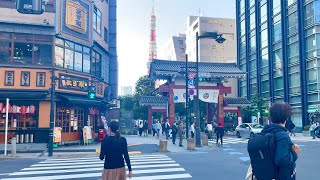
[187, 99]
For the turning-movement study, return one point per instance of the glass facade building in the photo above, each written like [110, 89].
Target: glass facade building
[279, 48]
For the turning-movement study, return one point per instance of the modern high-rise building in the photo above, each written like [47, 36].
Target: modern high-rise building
[176, 48]
[72, 45]
[210, 50]
[278, 47]
[126, 91]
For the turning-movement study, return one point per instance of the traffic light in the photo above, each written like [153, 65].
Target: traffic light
[30, 6]
[200, 79]
[92, 92]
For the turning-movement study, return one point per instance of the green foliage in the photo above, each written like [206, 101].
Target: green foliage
[257, 105]
[144, 87]
[127, 103]
[306, 128]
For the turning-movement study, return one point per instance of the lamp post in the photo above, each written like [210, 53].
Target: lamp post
[187, 99]
[219, 39]
[52, 100]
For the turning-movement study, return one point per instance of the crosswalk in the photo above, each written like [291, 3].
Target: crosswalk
[145, 167]
[231, 140]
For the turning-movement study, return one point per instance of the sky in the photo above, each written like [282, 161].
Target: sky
[134, 29]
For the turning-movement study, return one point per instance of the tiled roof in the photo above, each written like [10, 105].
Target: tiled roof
[237, 101]
[153, 101]
[175, 66]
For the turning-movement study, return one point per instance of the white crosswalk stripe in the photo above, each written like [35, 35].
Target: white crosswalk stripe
[145, 167]
[231, 140]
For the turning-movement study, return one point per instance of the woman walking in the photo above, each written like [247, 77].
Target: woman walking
[113, 149]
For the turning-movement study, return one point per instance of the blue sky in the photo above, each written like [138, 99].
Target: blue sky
[134, 29]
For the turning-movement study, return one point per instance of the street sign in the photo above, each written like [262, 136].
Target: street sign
[191, 92]
[191, 75]
[191, 84]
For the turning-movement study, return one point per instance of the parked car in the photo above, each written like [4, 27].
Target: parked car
[247, 130]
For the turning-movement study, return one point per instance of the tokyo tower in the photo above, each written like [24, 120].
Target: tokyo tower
[153, 41]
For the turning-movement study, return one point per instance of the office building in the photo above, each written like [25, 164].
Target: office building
[176, 48]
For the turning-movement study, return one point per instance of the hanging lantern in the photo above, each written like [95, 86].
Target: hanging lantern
[23, 110]
[14, 109]
[32, 109]
[1, 106]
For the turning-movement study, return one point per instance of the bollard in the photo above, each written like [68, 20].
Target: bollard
[190, 144]
[163, 145]
[204, 139]
[13, 147]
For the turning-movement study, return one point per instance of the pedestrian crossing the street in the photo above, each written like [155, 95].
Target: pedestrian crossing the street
[145, 167]
[231, 140]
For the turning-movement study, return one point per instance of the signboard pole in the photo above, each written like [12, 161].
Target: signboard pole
[52, 99]
[6, 130]
[187, 98]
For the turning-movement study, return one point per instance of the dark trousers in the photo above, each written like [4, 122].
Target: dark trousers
[219, 136]
[174, 137]
[154, 132]
[180, 140]
[192, 134]
[140, 131]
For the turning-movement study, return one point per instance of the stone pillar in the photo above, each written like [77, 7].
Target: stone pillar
[163, 145]
[190, 144]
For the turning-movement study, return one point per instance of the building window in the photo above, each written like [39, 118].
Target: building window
[97, 20]
[309, 14]
[9, 78]
[264, 38]
[252, 21]
[106, 35]
[277, 31]
[242, 27]
[72, 56]
[22, 53]
[5, 48]
[242, 6]
[290, 2]
[25, 78]
[96, 64]
[41, 79]
[263, 13]
[70, 119]
[276, 6]
[278, 67]
[293, 52]
[293, 23]
[253, 44]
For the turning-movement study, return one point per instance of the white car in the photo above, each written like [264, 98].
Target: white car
[247, 130]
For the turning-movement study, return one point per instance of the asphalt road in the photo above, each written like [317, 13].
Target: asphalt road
[231, 162]
[227, 163]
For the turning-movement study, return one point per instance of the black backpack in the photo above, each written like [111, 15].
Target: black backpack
[261, 149]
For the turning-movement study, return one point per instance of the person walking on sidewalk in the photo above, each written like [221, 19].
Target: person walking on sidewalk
[174, 133]
[140, 126]
[145, 129]
[272, 153]
[113, 149]
[192, 130]
[209, 130]
[154, 128]
[158, 128]
[290, 126]
[180, 133]
[167, 128]
[219, 134]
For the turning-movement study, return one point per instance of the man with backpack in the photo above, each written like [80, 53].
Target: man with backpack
[272, 153]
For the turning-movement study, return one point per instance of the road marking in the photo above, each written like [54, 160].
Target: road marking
[152, 167]
[229, 149]
[232, 153]
[244, 158]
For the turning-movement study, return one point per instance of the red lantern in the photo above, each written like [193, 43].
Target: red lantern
[32, 109]
[14, 109]
[1, 106]
[23, 110]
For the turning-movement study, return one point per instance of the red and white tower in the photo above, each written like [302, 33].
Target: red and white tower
[153, 41]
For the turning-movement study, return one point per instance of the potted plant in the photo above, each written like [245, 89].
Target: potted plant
[306, 130]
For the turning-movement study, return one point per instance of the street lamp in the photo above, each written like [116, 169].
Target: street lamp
[219, 39]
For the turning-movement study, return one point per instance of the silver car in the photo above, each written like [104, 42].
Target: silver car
[247, 130]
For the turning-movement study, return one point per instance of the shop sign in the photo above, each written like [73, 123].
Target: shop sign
[75, 18]
[57, 135]
[73, 83]
[171, 106]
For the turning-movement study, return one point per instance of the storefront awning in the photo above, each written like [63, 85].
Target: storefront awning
[17, 95]
[80, 100]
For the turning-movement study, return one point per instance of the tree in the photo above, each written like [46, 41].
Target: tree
[127, 103]
[144, 87]
[257, 105]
